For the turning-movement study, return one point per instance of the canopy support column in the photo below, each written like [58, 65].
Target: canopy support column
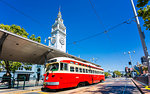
[45, 57]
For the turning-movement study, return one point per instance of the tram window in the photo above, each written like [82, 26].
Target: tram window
[95, 72]
[52, 67]
[72, 62]
[65, 66]
[72, 69]
[76, 63]
[89, 71]
[80, 69]
[83, 70]
[86, 71]
[54, 60]
[80, 64]
[61, 66]
[76, 69]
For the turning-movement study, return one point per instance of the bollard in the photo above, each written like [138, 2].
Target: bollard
[12, 82]
[17, 83]
[24, 83]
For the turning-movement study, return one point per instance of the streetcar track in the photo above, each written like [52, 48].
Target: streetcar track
[125, 86]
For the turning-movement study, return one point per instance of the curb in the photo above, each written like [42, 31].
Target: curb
[141, 87]
[22, 91]
[137, 86]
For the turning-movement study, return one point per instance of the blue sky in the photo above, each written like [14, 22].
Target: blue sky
[81, 21]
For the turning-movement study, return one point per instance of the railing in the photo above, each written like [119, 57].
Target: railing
[143, 79]
[20, 83]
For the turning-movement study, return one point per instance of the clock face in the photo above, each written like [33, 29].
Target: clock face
[53, 40]
[61, 40]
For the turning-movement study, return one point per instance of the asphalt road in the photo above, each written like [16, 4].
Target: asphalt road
[110, 86]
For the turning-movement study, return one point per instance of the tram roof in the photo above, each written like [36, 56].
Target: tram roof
[16, 48]
[66, 58]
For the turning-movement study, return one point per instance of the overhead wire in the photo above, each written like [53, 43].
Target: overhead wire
[105, 30]
[100, 33]
[96, 13]
[22, 13]
[128, 21]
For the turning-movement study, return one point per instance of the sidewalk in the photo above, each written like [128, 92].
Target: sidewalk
[19, 91]
[141, 87]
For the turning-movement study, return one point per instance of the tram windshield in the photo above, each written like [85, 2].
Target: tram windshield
[52, 67]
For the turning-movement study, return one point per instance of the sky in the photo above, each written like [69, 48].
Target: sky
[37, 17]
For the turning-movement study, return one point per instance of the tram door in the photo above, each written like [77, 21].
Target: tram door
[91, 76]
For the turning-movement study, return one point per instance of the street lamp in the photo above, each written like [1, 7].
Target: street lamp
[49, 39]
[129, 53]
[130, 63]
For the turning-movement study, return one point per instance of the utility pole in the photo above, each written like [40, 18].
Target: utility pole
[141, 35]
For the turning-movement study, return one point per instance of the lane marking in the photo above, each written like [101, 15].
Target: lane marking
[125, 86]
[146, 87]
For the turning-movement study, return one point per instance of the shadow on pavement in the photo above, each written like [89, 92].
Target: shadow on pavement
[115, 90]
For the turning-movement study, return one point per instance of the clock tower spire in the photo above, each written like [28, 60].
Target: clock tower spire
[58, 39]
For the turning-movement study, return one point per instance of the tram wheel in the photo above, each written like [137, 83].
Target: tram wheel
[44, 89]
[80, 84]
[102, 81]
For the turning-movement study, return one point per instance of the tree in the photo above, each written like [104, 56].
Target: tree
[106, 74]
[11, 66]
[144, 12]
[145, 68]
[117, 73]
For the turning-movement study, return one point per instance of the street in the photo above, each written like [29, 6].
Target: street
[110, 86]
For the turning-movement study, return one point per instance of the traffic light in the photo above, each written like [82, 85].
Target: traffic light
[129, 63]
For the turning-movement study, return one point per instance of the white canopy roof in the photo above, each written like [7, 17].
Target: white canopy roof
[16, 48]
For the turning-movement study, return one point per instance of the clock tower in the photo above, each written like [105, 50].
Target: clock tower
[58, 33]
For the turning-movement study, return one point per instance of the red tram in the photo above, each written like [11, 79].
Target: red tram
[63, 72]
